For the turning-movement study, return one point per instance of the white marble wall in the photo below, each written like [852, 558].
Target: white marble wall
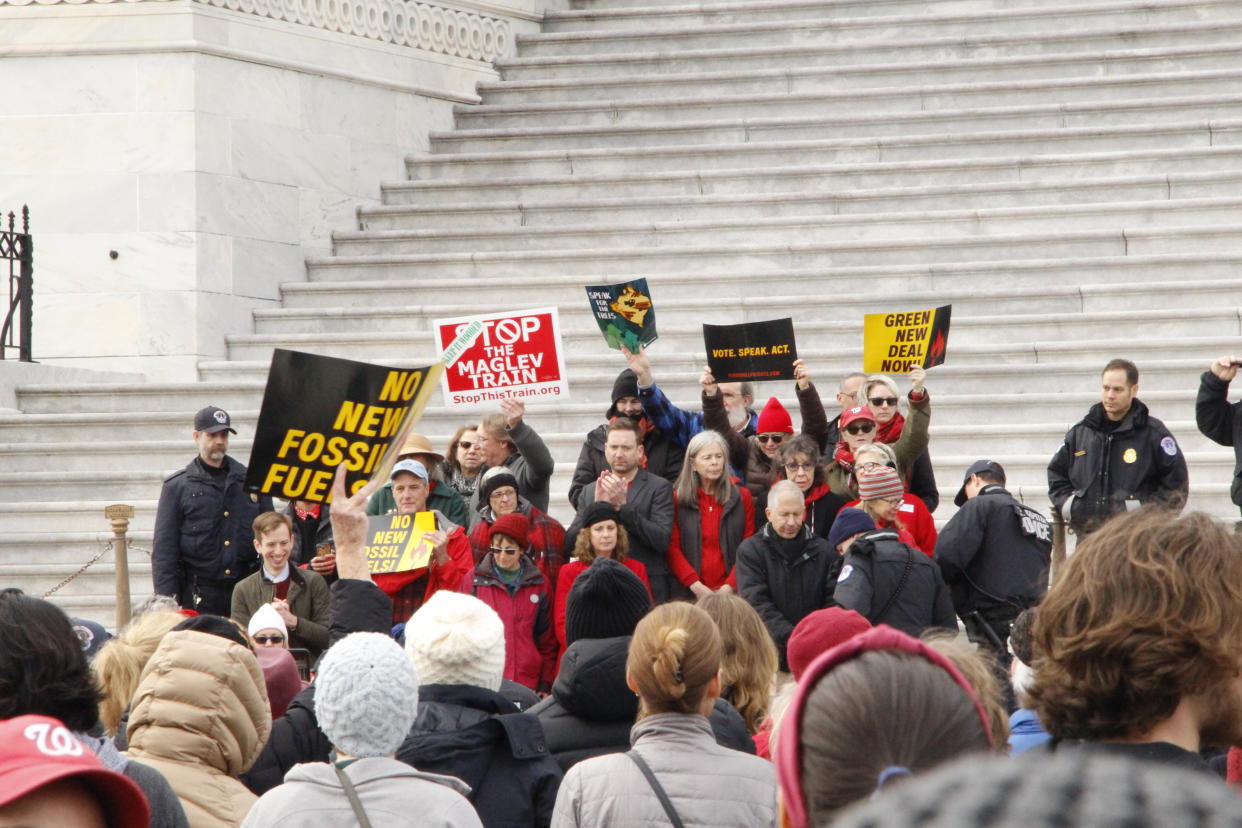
[212, 146]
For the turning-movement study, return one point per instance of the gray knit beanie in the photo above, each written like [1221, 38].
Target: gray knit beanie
[1073, 788]
[366, 695]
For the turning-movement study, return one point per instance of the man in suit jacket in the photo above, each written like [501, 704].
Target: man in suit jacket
[644, 501]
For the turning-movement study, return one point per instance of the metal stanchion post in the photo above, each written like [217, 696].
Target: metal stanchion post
[120, 516]
[1059, 539]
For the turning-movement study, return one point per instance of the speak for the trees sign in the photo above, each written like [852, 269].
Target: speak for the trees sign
[497, 355]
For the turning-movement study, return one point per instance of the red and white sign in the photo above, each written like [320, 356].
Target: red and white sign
[517, 354]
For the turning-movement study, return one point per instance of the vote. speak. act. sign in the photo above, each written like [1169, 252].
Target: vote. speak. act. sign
[508, 354]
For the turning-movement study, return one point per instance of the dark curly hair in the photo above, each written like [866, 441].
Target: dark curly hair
[1146, 611]
[43, 669]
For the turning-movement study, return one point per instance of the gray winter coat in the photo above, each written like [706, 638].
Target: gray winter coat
[392, 793]
[708, 784]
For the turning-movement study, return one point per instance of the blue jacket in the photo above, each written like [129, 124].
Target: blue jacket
[677, 424]
[1025, 732]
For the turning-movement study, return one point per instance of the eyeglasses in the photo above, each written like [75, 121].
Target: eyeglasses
[878, 401]
[872, 464]
[797, 467]
[505, 493]
[865, 427]
[894, 501]
[466, 444]
[504, 550]
[770, 438]
[269, 639]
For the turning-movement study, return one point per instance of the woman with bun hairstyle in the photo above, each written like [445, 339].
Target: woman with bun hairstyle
[675, 772]
[878, 707]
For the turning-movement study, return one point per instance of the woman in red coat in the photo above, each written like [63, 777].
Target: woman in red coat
[919, 525]
[601, 536]
[712, 516]
[508, 581]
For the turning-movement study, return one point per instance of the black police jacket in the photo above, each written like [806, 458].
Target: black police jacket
[889, 582]
[1221, 422]
[994, 554]
[1095, 471]
[204, 528]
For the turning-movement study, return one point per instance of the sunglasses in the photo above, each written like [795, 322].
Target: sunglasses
[770, 438]
[889, 401]
[269, 639]
[860, 428]
[466, 444]
[797, 467]
[503, 550]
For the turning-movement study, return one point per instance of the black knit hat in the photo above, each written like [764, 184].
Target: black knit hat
[599, 511]
[606, 601]
[626, 385]
[502, 477]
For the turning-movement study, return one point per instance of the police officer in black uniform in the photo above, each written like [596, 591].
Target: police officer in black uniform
[994, 555]
[1117, 458]
[204, 543]
[887, 581]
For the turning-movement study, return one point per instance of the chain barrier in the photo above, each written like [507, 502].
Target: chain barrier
[106, 549]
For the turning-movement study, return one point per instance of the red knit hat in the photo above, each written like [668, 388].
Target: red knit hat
[818, 633]
[514, 525]
[774, 419]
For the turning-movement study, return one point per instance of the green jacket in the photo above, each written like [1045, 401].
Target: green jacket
[308, 599]
[442, 498]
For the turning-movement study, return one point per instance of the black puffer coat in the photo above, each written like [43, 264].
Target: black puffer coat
[591, 711]
[889, 582]
[479, 737]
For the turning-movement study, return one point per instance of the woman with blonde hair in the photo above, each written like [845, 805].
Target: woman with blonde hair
[912, 513]
[675, 772]
[748, 666]
[118, 666]
[712, 515]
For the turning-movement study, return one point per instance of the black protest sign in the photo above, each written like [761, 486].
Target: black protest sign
[319, 412]
[751, 350]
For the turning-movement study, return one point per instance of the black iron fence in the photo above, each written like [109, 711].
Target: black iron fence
[17, 251]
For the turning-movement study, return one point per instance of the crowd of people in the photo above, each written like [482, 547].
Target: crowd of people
[743, 624]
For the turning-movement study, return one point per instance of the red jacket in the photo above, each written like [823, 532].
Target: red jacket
[920, 531]
[546, 540]
[712, 533]
[409, 589]
[572, 570]
[530, 645]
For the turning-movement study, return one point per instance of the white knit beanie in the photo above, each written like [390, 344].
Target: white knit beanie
[266, 618]
[456, 639]
[366, 695]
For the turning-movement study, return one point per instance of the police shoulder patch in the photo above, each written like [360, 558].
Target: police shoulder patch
[846, 572]
[1170, 446]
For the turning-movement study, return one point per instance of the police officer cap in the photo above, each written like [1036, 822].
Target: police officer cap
[212, 420]
[977, 467]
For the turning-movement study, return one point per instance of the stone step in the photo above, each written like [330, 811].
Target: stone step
[829, 102]
[573, 79]
[1053, 44]
[817, 151]
[730, 127]
[804, 228]
[627, 13]
[1092, 280]
[512, 215]
[848, 182]
[78, 516]
[821, 322]
[624, 262]
[62, 548]
[798, 29]
[100, 579]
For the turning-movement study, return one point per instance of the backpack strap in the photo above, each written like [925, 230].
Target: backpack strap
[658, 788]
[354, 802]
[905, 576]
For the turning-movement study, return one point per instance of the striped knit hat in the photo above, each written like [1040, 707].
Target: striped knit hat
[880, 483]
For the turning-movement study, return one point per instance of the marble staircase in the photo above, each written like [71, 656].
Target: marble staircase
[1064, 174]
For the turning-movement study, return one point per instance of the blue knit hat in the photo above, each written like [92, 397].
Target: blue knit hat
[366, 695]
[849, 523]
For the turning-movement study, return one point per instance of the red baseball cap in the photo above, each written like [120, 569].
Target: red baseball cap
[38, 750]
[860, 412]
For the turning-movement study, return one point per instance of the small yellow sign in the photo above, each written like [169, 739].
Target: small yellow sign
[397, 543]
